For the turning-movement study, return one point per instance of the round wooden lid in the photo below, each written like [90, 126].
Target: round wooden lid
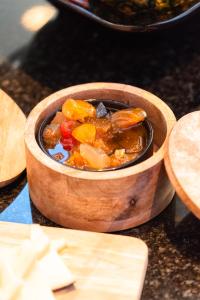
[182, 160]
[12, 150]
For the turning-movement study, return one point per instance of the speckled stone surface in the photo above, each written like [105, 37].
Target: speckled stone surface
[71, 50]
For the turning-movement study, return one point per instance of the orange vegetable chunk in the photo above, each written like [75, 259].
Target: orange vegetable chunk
[96, 158]
[78, 110]
[85, 133]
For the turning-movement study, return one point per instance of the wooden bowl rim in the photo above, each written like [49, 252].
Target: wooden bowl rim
[44, 159]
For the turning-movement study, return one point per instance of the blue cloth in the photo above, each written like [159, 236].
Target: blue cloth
[19, 211]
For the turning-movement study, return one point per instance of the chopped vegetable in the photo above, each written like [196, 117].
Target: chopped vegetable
[106, 146]
[76, 160]
[101, 110]
[120, 153]
[102, 125]
[68, 143]
[85, 133]
[66, 128]
[96, 158]
[78, 110]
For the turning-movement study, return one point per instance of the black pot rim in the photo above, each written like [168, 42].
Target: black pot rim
[128, 28]
[109, 104]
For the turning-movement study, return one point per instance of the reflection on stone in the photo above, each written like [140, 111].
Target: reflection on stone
[37, 16]
[181, 211]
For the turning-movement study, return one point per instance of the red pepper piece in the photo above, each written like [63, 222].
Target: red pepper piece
[66, 128]
[68, 143]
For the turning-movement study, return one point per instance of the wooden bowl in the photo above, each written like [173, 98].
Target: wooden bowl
[100, 201]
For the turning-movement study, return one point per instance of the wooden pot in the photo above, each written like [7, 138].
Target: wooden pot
[100, 201]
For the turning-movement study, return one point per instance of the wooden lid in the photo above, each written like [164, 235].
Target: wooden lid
[12, 150]
[182, 160]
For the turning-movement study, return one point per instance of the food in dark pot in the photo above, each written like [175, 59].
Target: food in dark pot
[91, 137]
[139, 12]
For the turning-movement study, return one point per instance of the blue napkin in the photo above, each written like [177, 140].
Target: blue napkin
[19, 211]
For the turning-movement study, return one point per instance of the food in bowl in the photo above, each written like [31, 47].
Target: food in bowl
[91, 135]
[140, 12]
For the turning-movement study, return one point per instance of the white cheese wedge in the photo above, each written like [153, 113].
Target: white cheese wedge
[40, 240]
[9, 282]
[32, 270]
[26, 257]
[35, 287]
[57, 274]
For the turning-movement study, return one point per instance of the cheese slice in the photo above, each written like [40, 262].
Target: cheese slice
[35, 287]
[9, 282]
[32, 270]
[26, 257]
[40, 240]
[57, 274]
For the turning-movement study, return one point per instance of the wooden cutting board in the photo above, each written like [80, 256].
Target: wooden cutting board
[12, 150]
[106, 267]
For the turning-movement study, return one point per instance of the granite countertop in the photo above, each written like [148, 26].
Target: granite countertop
[70, 50]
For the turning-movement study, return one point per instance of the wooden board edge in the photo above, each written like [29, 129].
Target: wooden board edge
[178, 188]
